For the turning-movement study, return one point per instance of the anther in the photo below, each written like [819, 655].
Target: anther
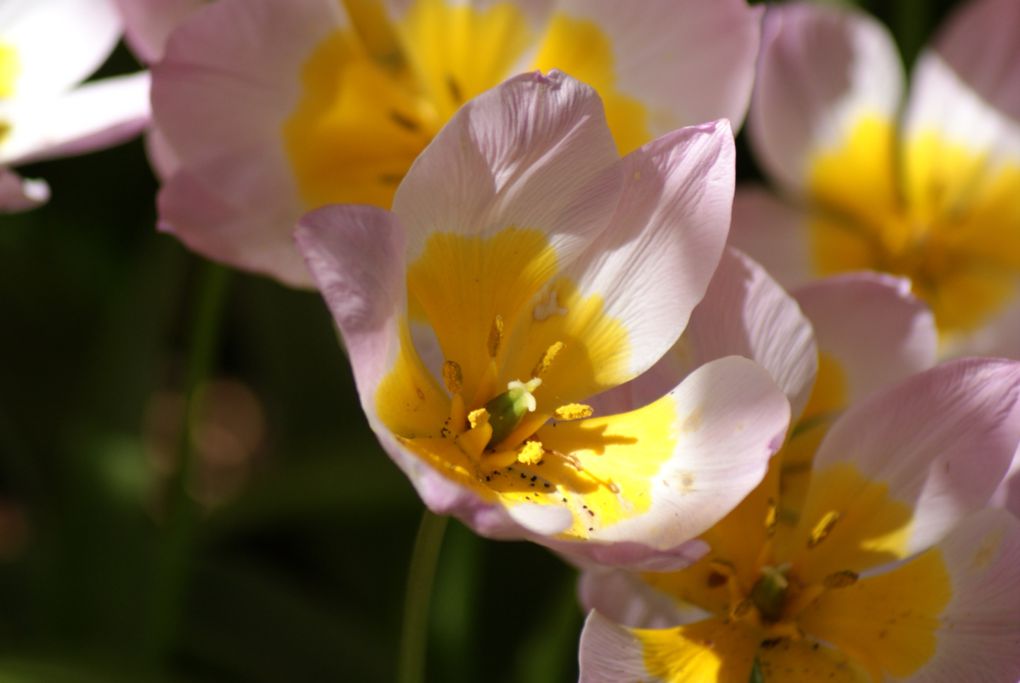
[840, 579]
[453, 377]
[770, 517]
[530, 453]
[573, 411]
[823, 528]
[495, 336]
[547, 358]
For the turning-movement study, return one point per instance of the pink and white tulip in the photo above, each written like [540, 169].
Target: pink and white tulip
[886, 568]
[47, 48]
[928, 194]
[266, 109]
[526, 265]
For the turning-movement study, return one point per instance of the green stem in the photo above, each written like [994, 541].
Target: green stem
[182, 512]
[420, 576]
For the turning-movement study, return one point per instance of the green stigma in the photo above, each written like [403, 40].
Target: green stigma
[508, 409]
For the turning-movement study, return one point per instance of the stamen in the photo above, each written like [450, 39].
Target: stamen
[474, 440]
[770, 517]
[823, 528]
[547, 358]
[495, 336]
[453, 377]
[573, 411]
[478, 417]
[530, 453]
[840, 579]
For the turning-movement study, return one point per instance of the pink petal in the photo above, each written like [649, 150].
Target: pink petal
[940, 441]
[872, 325]
[533, 152]
[148, 23]
[744, 313]
[685, 61]
[58, 43]
[609, 653]
[653, 264]
[356, 256]
[821, 68]
[774, 233]
[20, 194]
[739, 420]
[92, 116]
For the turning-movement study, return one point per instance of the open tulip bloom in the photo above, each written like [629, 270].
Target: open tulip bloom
[872, 560]
[47, 47]
[924, 186]
[266, 109]
[526, 267]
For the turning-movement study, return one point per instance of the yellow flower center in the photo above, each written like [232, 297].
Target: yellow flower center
[373, 96]
[931, 210]
[517, 349]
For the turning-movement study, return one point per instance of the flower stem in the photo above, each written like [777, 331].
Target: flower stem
[174, 552]
[420, 576]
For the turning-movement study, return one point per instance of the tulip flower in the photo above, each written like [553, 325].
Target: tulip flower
[271, 108]
[921, 184]
[47, 48]
[881, 565]
[524, 268]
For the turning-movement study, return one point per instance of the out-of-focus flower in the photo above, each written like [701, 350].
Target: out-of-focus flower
[47, 48]
[275, 107]
[879, 563]
[526, 267]
[929, 193]
[228, 431]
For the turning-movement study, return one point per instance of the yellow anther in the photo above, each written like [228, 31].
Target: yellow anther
[453, 377]
[771, 514]
[530, 453]
[473, 441]
[479, 416]
[495, 336]
[547, 359]
[840, 579]
[823, 528]
[573, 411]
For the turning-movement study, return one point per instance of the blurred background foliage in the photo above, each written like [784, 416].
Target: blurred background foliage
[284, 557]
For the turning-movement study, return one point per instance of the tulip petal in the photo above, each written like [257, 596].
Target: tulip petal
[822, 70]
[92, 116]
[221, 95]
[148, 23]
[21, 194]
[662, 488]
[629, 53]
[511, 191]
[356, 256]
[81, 32]
[711, 650]
[774, 233]
[872, 328]
[947, 615]
[898, 470]
[744, 313]
[649, 268]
